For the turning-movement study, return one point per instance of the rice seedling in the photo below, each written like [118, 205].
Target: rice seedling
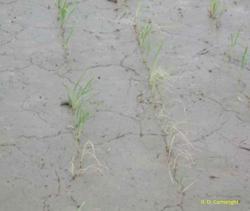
[178, 146]
[77, 99]
[80, 118]
[244, 58]
[144, 36]
[77, 93]
[214, 9]
[138, 12]
[157, 74]
[157, 56]
[143, 30]
[234, 39]
[65, 10]
[66, 39]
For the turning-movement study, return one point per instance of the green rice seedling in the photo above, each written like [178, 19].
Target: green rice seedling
[143, 30]
[157, 74]
[144, 35]
[234, 39]
[77, 97]
[138, 12]
[77, 93]
[244, 58]
[214, 9]
[65, 10]
[176, 147]
[156, 56]
[80, 118]
[66, 40]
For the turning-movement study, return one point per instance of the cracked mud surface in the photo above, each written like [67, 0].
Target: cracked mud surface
[202, 95]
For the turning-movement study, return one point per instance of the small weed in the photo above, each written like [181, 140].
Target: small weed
[214, 9]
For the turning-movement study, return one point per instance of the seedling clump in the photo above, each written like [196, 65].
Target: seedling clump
[214, 9]
[77, 99]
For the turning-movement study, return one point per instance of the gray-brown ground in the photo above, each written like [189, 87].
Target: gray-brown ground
[36, 141]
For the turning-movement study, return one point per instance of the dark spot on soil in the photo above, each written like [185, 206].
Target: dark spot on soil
[213, 177]
[210, 71]
[97, 37]
[244, 148]
[180, 12]
[114, 1]
[99, 77]
[65, 103]
[203, 51]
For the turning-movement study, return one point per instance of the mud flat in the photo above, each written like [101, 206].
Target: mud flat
[163, 149]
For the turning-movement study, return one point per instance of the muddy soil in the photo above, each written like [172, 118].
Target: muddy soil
[206, 98]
